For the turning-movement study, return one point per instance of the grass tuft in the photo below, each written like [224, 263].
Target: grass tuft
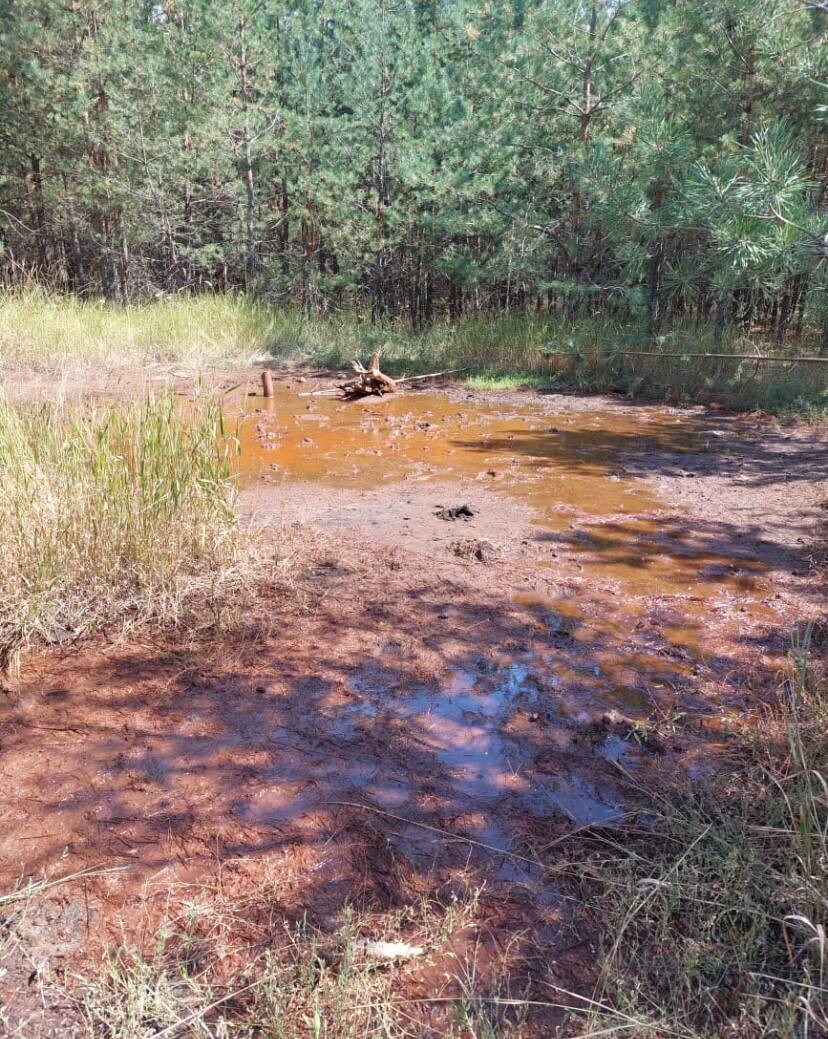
[716, 924]
[110, 514]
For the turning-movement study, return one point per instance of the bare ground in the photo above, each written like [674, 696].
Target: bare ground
[430, 706]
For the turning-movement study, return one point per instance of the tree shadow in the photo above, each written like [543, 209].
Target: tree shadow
[408, 737]
[474, 716]
[593, 472]
[653, 441]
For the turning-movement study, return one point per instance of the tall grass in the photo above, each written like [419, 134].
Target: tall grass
[51, 333]
[109, 513]
[716, 923]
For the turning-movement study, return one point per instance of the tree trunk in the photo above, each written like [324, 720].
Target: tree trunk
[721, 315]
[782, 321]
[34, 182]
[247, 159]
[654, 288]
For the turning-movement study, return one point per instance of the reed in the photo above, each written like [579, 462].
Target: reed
[114, 513]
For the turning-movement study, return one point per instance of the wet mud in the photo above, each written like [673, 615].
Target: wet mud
[429, 717]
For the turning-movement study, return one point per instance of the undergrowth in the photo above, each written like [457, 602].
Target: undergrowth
[715, 923]
[110, 514]
[293, 978]
[58, 334]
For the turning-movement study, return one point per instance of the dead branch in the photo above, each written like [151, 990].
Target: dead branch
[372, 381]
[434, 829]
[431, 375]
[326, 392]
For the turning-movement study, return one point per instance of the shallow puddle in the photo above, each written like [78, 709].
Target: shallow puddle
[561, 466]
[581, 473]
[468, 725]
[632, 640]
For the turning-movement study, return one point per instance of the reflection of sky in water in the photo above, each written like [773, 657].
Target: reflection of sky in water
[463, 726]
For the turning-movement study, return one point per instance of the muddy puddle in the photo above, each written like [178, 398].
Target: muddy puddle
[585, 477]
[634, 636]
[429, 717]
[560, 470]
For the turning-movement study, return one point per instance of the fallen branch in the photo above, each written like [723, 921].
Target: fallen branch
[184, 1022]
[597, 825]
[327, 392]
[431, 375]
[37, 887]
[372, 381]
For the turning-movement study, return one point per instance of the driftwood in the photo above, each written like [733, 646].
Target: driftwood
[368, 380]
[371, 381]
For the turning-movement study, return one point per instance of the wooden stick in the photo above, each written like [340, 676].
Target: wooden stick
[329, 392]
[734, 357]
[170, 1030]
[431, 375]
[267, 384]
[436, 829]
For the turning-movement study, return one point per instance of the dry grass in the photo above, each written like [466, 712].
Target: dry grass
[57, 333]
[716, 923]
[224, 964]
[53, 333]
[111, 515]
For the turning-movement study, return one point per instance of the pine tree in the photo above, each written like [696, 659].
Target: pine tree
[655, 162]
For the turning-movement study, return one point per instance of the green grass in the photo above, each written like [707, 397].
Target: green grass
[488, 380]
[56, 333]
[110, 514]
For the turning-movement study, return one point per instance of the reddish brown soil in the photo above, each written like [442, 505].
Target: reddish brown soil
[412, 719]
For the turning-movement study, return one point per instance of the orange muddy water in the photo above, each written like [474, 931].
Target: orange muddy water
[560, 470]
[567, 468]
